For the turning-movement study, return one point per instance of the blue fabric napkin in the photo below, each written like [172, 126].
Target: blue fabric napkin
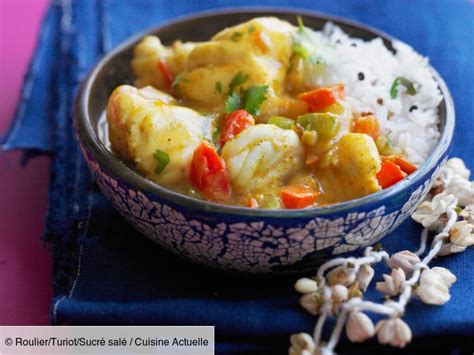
[107, 273]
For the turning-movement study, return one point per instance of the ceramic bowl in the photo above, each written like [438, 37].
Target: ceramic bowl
[236, 238]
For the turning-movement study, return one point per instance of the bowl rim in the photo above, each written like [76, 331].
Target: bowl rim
[87, 135]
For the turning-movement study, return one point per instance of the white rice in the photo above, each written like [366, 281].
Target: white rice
[416, 132]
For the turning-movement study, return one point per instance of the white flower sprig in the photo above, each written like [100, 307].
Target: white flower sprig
[337, 288]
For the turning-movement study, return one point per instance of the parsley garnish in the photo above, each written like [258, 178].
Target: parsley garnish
[236, 36]
[300, 23]
[237, 80]
[163, 159]
[232, 103]
[251, 101]
[175, 84]
[253, 98]
[218, 87]
[216, 134]
[408, 84]
[308, 47]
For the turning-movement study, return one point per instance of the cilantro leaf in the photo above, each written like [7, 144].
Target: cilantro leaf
[408, 84]
[253, 98]
[232, 102]
[394, 88]
[300, 50]
[307, 46]
[218, 87]
[237, 80]
[162, 159]
[236, 36]
[216, 134]
[177, 80]
[300, 23]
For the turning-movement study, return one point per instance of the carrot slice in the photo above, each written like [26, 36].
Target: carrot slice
[368, 125]
[298, 196]
[320, 99]
[405, 165]
[389, 174]
[165, 72]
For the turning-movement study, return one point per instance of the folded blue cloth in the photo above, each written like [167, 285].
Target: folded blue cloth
[107, 273]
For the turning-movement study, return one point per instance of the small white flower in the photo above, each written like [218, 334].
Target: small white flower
[468, 213]
[311, 302]
[434, 285]
[394, 332]
[393, 283]
[462, 188]
[461, 234]
[359, 327]
[429, 212]
[446, 276]
[458, 167]
[339, 275]
[404, 260]
[339, 293]
[301, 344]
[306, 285]
[450, 248]
[364, 276]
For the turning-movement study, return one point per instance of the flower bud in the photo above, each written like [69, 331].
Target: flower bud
[311, 302]
[340, 276]
[468, 213]
[301, 344]
[434, 286]
[305, 285]
[339, 293]
[364, 276]
[359, 327]
[429, 212]
[461, 234]
[404, 260]
[458, 167]
[393, 283]
[394, 332]
[446, 276]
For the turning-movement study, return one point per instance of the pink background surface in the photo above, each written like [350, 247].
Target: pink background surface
[25, 265]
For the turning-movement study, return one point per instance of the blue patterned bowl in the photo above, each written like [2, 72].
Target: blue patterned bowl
[236, 238]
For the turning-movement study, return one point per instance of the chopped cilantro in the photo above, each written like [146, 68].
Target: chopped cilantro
[218, 87]
[307, 46]
[216, 134]
[232, 102]
[236, 36]
[408, 84]
[300, 23]
[253, 98]
[300, 50]
[178, 79]
[162, 159]
[237, 80]
[251, 29]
